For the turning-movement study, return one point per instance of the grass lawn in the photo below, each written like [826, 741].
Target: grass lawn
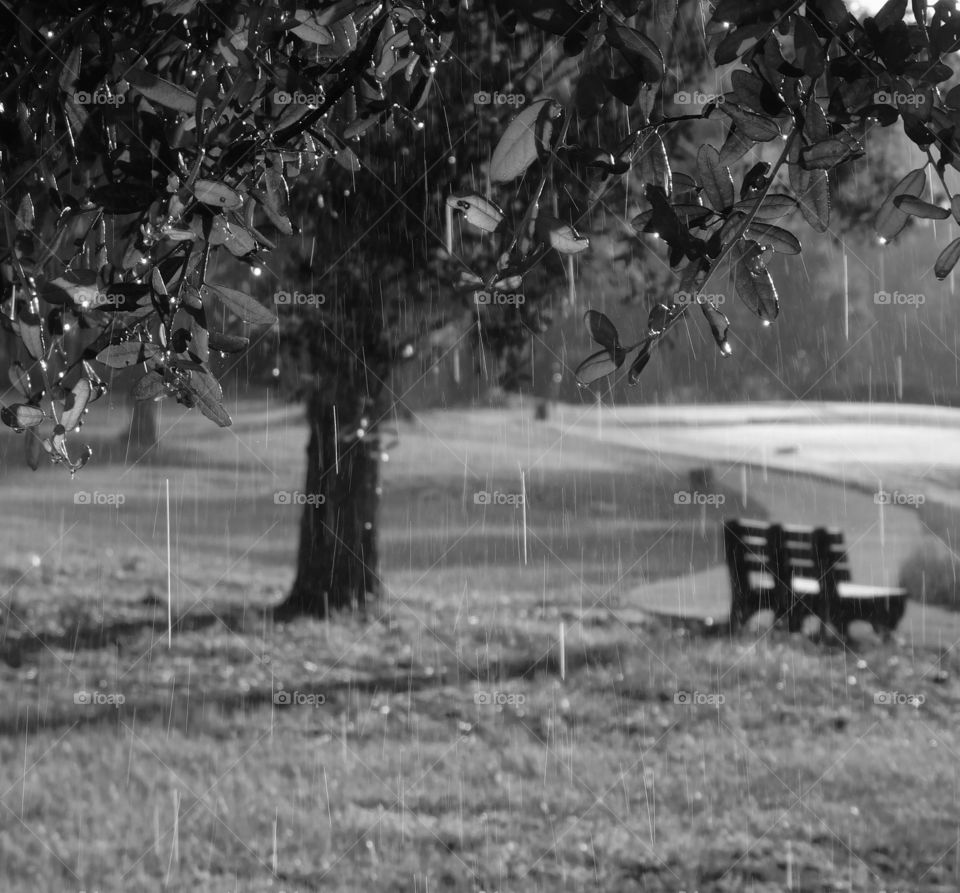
[437, 747]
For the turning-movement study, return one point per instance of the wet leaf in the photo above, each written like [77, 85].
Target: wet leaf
[34, 451]
[210, 398]
[602, 330]
[640, 361]
[719, 326]
[947, 260]
[161, 92]
[742, 12]
[642, 54]
[754, 126]
[715, 178]
[218, 195]
[754, 283]
[226, 343]
[563, 237]
[917, 207]
[244, 306]
[782, 240]
[76, 403]
[22, 415]
[890, 220]
[523, 141]
[128, 353]
[478, 211]
[149, 387]
[774, 206]
[19, 378]
[595, 367]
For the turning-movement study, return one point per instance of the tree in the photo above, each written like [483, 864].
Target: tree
[139, 143]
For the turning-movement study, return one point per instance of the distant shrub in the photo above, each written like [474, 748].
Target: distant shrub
[932, 574]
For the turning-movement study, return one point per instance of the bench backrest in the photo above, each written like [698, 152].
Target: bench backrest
[785, 552]
[748, 548]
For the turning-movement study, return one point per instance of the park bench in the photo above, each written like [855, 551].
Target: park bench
[798, 571]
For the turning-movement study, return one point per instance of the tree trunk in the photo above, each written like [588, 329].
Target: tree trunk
[337, 563]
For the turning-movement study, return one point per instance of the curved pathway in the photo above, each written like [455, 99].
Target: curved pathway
[807, 467]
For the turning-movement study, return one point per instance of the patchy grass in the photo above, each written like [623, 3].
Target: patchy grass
[401, 780]
[439, 746]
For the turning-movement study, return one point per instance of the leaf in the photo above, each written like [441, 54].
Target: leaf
[739, 42]
[563, 237]
[219, 195]
[654, 164]
[602, 330]
[756, 127]
[890, 14]
[21, 415]
[890, 220]
[642, 54]
[812, 189]
[478, 211]
[917, 207]
[640, 361]
[754, 283]
[210, 398]
[829, 153]
[149, 387]
[947, 260]
[244, 306]
[32, 338]
[596, 366]
[807, 46]
[735, 146]
[523, 140]
[955, 207]
[659, 319]
[782, 240]
[774, 206]
[743, 12]
[122, 198]
[715, 177]
[719, 326]
[128, 353]
[76, 403]
[34, 452]
[161, 91]
[226, 343]
[19, 378]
